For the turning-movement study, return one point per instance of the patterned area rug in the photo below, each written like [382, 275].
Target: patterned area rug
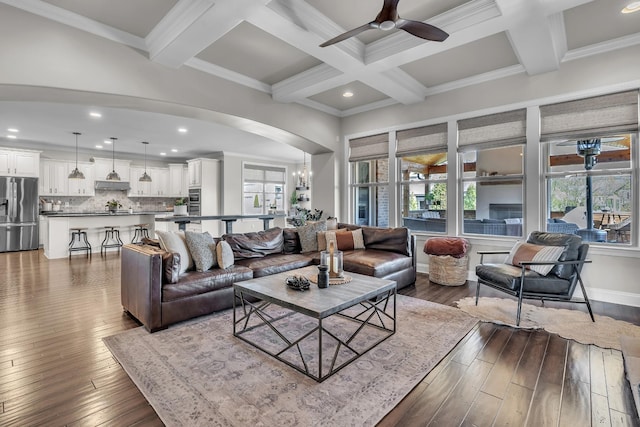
[197, 373]
[575, 325]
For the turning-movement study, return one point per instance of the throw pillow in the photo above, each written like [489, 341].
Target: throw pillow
[176, 242]
[346, 240]
[530, 252]
[202, 248]
[308, 235]
[171, 266]
[332, 223]
[322, 240]
[224, 254]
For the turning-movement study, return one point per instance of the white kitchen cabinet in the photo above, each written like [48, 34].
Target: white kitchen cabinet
[195, 172]
[54, 178]
[138, 188]
[104, 166]
[178, 177]
[81, 187]
[160, 183]
[19, 163]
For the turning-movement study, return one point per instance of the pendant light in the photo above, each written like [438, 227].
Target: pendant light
[76, 174]
[113, 175]
[145, 176]
[303, 177]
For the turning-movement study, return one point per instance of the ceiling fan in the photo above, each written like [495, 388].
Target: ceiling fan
[388, 19]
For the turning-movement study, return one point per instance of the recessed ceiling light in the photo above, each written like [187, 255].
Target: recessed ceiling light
[12, 137]
[182, 130]
[14, 130]
[99, 147]
[107, 141]
[632, 7]
[95, 114]
[347, 94]
[163, 154]
[174, 150]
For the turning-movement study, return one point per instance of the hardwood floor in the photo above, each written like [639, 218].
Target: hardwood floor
[55, 370]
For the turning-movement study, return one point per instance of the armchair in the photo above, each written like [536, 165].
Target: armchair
[521, 281]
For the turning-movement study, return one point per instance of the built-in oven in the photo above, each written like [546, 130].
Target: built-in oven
[194, 202]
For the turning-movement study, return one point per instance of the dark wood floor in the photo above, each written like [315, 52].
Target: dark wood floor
[55, 370]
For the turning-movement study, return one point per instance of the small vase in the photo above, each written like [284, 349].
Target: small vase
[180, 210]
[112, 210]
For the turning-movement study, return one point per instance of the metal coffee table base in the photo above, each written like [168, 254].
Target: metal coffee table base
[382, 309]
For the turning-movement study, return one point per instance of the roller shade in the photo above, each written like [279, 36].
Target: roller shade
[494, 129]
[369, 148]
[422, 140]
[596, 116]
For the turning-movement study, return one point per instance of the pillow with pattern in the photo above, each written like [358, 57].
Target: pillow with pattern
[202, 248]
[530, 252]
[308, 235]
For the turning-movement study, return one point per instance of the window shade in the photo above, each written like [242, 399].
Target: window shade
[369, 148]
[597, 116]
[494, 129]
[258, 173]
[421, 140]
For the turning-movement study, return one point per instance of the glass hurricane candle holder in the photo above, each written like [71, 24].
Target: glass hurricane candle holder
[333, 260]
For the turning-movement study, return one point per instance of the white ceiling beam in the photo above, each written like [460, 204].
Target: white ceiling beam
[342, 64]
[193, 25]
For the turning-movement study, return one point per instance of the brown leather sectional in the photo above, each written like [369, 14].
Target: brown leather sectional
[147, 271]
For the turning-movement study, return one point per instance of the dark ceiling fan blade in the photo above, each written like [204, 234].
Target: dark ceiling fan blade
[422, 30]
[349, 34]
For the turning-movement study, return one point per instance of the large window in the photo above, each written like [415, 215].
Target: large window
[422, 154]
[589, 189]
[589, 166]
[263, 189]
[369, 180]
[492, 156]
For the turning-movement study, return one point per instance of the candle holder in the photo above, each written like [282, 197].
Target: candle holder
[333, 260]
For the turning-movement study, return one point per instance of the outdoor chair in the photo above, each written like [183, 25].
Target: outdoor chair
[547, 268]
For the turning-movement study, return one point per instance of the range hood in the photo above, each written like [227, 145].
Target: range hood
[112, 185]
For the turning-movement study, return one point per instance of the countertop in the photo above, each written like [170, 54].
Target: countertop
[103, 213]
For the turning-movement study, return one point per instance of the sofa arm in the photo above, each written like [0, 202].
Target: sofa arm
[141, 284]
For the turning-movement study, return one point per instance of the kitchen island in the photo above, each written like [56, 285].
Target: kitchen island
[55, 229]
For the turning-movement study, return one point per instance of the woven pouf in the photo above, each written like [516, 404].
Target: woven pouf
[448, 260]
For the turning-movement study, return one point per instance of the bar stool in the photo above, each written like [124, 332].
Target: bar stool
[79, 241]
[139, 233]
[111, 239]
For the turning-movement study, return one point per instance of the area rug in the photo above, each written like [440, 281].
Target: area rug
[575, 325]
[197, 373]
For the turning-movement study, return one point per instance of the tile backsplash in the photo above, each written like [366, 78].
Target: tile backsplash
[97, 202]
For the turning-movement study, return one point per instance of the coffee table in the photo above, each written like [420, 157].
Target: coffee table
[367, 303]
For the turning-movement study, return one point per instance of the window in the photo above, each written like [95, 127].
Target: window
[589, 171]
[422, 154]
[263, 189]
[491, 150]
[369, 180]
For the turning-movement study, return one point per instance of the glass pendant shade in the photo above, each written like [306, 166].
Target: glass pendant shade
[76, 173]
[145, 176]
[113, 175]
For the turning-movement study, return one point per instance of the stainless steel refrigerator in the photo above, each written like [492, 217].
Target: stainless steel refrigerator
[18, 213]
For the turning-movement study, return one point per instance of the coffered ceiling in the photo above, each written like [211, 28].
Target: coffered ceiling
[273, 45]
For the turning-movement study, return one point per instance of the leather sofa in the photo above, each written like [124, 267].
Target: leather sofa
[147, 271]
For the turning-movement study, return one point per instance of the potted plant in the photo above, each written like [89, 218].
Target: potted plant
[180, 206]
[113, 205]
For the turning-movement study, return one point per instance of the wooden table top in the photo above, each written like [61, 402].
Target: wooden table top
[315, 302]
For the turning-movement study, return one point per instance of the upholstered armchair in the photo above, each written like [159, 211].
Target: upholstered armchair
[547, 267]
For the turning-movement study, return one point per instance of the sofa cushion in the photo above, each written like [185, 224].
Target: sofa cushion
[571, 243]
[522, 252]
[308, 235]
[455, 246]
[508, 276]
[171, 267]
[175, 242]
[273, 264]
[291, 241]
[256, 244]
[202, 248]
[388, 239]
[196, 282]
[224, 255]
[376, 263]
